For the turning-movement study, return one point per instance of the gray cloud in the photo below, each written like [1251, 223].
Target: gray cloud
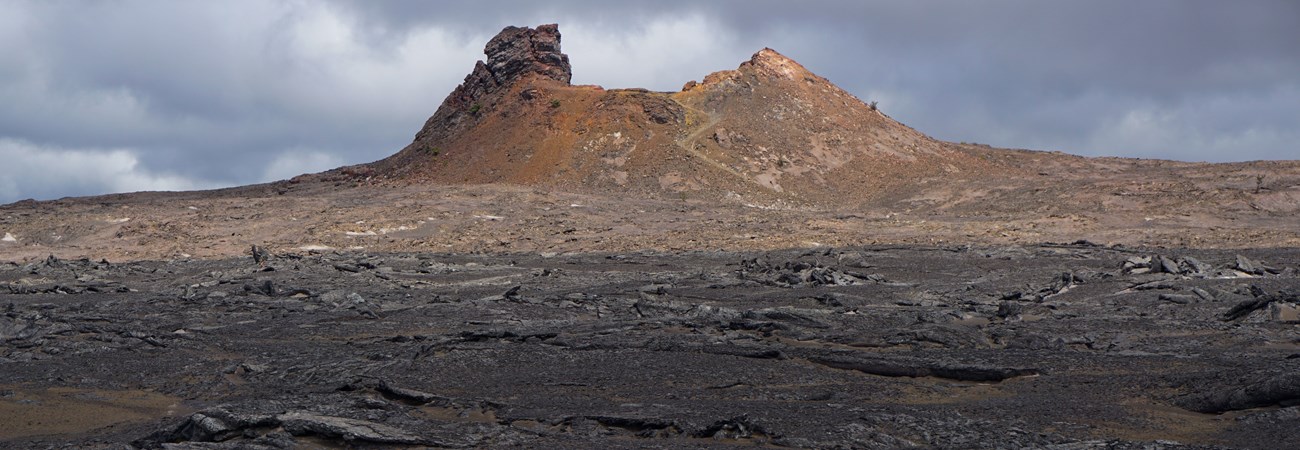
[178, 95]
[35, 171]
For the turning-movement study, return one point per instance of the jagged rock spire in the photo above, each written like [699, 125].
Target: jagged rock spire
[517, 51]
[514, 54]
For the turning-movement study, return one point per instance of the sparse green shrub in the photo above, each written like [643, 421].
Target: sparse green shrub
[555, 103]
[474, 109]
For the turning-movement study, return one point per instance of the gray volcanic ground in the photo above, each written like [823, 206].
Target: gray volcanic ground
[1048, 346]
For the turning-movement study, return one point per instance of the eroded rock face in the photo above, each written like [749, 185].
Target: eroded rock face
[518, 51]
[514, 54]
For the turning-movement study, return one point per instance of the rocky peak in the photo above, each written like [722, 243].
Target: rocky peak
[518, 51]
[767, 63]
[774, 63]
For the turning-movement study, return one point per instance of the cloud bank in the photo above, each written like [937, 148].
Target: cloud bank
[32, 171]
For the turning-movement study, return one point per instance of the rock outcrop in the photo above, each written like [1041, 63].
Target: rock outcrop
[514, 54]
[517, 51]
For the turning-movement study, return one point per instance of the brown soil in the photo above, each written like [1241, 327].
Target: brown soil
[30, 412]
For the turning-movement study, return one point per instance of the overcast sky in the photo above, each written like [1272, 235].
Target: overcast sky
[112, 96]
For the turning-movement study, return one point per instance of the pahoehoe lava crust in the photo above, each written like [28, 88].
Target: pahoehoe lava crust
[651, 349]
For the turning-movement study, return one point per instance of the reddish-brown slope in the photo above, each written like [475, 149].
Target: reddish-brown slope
[770, 132]
[782, 128]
